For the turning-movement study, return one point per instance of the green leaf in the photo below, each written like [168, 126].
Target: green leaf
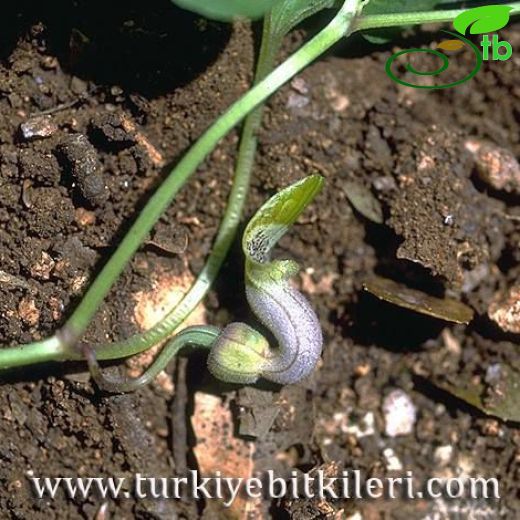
[226, 10]
[287, 14]
[275, 217]
[485, 19]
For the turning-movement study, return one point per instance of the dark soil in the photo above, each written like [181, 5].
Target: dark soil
[107, 97]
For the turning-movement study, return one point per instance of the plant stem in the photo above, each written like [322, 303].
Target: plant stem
[272, 38]
[270, 45]
[379, 21]
[227, 230]
[50, 349]
[162, 198]
[61, 346]
[195, 337]
[338, 28]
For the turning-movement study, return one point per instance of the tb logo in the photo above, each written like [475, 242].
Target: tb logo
[486, 19]
[500, 50]
[478, 21]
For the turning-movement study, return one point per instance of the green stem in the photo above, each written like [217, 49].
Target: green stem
[272, 39]
[60, 346]
[379, 21]
[162, 198]
[194, 337]
[227, 230]
[50, 349]
[78, 322]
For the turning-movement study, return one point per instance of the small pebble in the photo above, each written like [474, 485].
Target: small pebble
[28, 312]
[43, 267]
[49, 62]
[84, 218]
[300, 85]
[443, 455]
[400, 413]
[392, 460]
[340, 103]
[505, 310]
[116, 90]
[78, 86]
[449, 220]
[496, 166]
[385, 184]
[297, 101]
[493, 374]
[38, 127]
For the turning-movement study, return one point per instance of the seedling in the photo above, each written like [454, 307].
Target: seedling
[239, 353]
[351, 16]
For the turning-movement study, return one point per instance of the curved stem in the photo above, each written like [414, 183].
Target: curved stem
[227, 230]
[60, 346]
[77, 323]
[230, 222]
[162, 198]
[196, 337]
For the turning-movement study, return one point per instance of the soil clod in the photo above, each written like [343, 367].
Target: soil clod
[85, 168]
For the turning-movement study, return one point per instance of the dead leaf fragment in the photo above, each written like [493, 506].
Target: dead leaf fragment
[398, 294]
[498, 398]
[364, 201]
[170, 239]
[154, 154]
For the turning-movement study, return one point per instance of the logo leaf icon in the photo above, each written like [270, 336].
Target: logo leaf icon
[485, 19]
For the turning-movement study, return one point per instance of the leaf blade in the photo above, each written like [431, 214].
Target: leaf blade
[287, 14]
[275, 217]
[226, 10]
[501, 400]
